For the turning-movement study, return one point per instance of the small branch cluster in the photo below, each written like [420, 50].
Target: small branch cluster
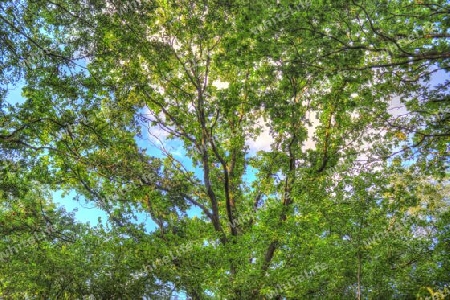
[439, 294]
[279, 17]
[376, 238]
[121, 193]
[169, 257]
[296, 279]
[33, 240]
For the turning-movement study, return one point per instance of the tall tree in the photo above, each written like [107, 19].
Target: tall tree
[311, 217]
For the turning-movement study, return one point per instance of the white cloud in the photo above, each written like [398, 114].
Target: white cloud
[397, 108]
[262, 141]
[220, 85]
[310, 143]
[154, 133]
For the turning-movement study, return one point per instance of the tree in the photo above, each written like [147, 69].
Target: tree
[312, 216]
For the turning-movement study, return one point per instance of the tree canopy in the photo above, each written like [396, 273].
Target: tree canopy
[282, 150]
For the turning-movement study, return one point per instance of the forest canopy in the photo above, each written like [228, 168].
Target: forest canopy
[280, 149]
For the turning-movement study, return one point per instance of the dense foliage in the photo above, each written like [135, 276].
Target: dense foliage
[162, 108]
